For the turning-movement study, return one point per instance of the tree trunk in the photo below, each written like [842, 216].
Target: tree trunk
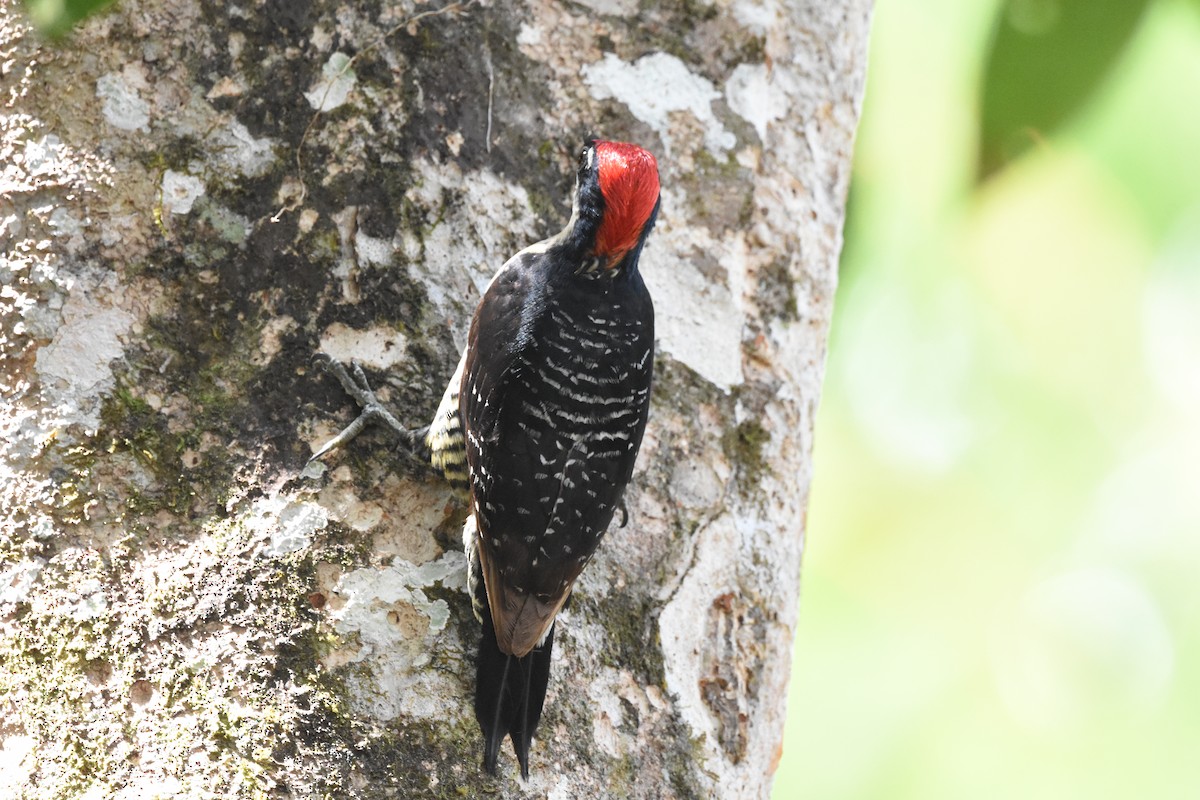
[197, 197]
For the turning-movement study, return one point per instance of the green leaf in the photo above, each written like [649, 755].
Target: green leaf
[1047, 58]
[57, 17]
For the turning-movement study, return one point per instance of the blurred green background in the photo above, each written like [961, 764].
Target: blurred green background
[1002, 574]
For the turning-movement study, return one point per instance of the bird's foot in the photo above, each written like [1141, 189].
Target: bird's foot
[354, 381]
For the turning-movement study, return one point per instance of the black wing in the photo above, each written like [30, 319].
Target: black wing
[501, 330]
[555, 396]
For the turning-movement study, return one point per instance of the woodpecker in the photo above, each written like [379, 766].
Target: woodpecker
[541, 424]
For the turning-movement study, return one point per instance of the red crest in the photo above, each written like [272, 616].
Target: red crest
[629, 182]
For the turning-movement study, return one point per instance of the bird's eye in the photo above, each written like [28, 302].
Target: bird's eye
[585, 159]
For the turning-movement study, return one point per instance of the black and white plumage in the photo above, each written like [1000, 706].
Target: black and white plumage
[540, 426]
[542, 422]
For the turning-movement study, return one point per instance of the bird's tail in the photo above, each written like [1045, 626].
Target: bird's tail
[509, 693]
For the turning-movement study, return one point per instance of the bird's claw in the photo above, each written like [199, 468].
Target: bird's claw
[354, 382]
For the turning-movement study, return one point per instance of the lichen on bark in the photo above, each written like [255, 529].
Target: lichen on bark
[197, 197]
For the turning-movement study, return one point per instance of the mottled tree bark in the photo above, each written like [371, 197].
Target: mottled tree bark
[197, 197]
